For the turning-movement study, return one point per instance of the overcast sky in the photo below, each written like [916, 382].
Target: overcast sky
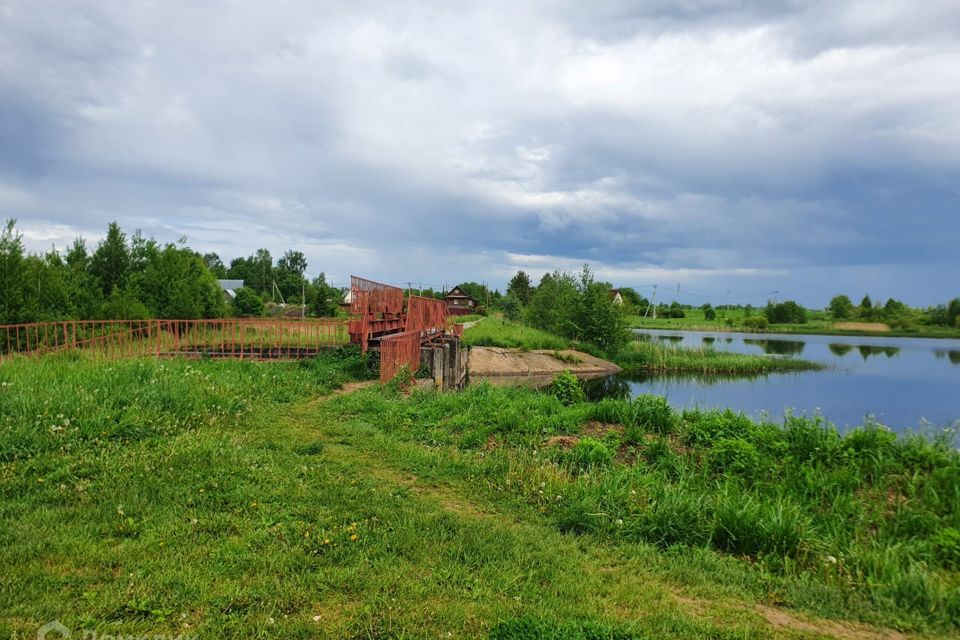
[800, 147]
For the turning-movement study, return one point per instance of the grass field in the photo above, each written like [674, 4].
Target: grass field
[236, 499]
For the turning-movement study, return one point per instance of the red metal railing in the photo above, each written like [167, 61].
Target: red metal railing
[376, 308]
[255, 338]
[397, 351]
[426, 315]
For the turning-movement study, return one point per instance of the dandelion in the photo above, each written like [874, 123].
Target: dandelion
[354, 537]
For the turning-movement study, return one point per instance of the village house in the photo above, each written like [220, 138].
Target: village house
[615, 296]
[459, 303]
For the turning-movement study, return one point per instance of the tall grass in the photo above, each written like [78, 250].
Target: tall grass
[643, 356]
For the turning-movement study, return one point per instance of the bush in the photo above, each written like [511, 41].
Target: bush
[733, 455]
[247, 304]
[947, 545]
[567, 388]
[788, 312]
[755, 323]
[651, 413]
[589, 453]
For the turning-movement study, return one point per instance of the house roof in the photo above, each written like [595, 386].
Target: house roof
[230, 285]
[457, 292]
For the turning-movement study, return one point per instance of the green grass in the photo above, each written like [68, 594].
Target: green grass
[470, 317]
[841, 526]
[221, 499]
[497, 332]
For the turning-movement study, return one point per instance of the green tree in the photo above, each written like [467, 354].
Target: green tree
[247, 303]
[328, 297]
[215, 265]
[520, 287]
[600, 321]
[511, 307]
[111, 260]
[788, 312]
[708, 311]
[841, 307]
[553, 304]
[289, 277]
[12, 275]
[83, 290]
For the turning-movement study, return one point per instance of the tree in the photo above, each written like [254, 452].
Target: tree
[111, 260]
[82, 288]
[708, 311]
[328, 297]
[601, 321]
[511, 307]
[676, 311]
[12, 273]
[553, 305]
[840, 307]
[215, 265]
[289, 277]
[520, 288]
[247, 303]
[788, 312]
[637, 302]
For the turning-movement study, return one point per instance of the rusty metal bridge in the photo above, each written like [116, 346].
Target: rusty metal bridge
[381, 319]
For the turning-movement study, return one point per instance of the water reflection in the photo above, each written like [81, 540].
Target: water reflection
[840, 349]
[778, 347]
[890, 378]
[867, 350]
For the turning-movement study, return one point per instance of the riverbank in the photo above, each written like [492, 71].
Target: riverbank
[823, 328]
[236, 499]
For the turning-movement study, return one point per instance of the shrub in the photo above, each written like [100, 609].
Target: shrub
[947, 545]
[589, 453]
[652, 413]
[675, 516]
[755, 323]
[567, 388]
[733, 455]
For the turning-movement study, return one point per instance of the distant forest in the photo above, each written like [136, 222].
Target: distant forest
[134, 277]
[137, 278]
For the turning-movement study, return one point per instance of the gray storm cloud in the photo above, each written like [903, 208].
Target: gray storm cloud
[799, 147]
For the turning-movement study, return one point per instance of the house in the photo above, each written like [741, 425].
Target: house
[230, 287]
[615, 296]
[346, 303]
[459, 303]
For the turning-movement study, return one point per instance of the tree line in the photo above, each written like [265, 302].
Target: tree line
[137, 277]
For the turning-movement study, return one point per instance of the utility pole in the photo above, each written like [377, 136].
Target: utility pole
[409, 284]
[653, 302]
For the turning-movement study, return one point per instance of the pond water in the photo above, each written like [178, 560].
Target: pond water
[904, 383]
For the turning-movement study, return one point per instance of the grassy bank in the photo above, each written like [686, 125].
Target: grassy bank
[638, 356]
[654, 357]
[497, 332]
[219, 499]
[695, 321]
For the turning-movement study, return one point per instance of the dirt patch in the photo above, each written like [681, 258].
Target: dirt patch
[843, 630]
[787, 621]
[564, 442]
[596, 429]
[862, 326]
[499, 362]
[351, 387]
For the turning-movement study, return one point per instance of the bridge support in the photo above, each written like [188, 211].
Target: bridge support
[447, 360]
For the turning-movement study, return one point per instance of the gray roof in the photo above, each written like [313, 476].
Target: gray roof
[230, 285]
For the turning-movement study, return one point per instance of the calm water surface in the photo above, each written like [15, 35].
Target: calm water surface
[905, 383]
